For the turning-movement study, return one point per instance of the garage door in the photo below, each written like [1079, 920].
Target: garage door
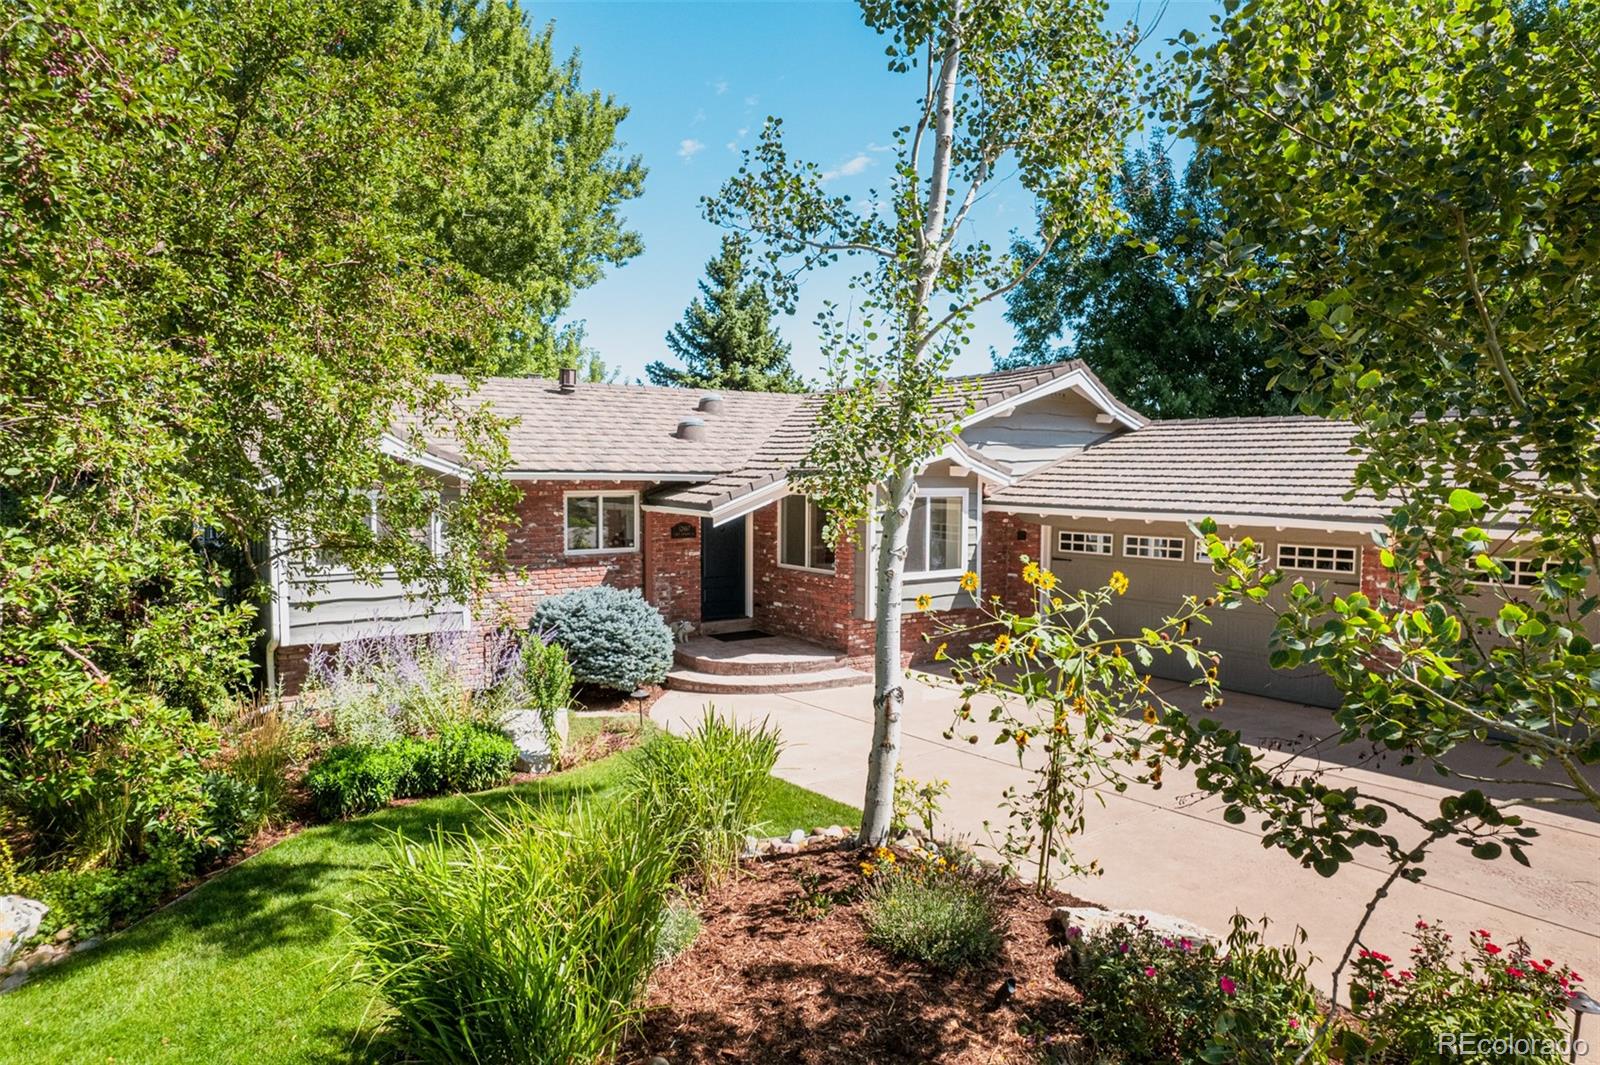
[1156, 587]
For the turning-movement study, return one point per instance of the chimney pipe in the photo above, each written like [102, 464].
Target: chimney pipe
[710, 403]
[691, 429]
[569, 380]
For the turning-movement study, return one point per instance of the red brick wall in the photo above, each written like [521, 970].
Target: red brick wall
[672, 567]
[812, 606]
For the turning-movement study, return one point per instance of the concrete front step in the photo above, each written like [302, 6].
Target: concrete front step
[693, 680]
[762, 656]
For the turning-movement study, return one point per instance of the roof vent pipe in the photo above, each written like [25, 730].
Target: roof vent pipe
[710, 403]
[691, 429]
[569, 380]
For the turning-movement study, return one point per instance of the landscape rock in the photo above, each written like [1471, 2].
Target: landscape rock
[786, 848]
[19, 920]
[525, 728]
[832, 832]
[14, 981]
[797, 836]
[1087, 919]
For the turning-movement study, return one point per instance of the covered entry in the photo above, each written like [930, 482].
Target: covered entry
[724, 570]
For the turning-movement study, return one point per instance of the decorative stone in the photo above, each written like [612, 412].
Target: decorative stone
[14, 981]
[785, 848]
[1087, 919]
[87, 944]
[64, 934]
[797, 836]
[19, 920]
[833, 832]
[525, 728]
[752, 847]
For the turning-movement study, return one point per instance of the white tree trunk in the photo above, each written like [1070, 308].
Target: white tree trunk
[888, 675]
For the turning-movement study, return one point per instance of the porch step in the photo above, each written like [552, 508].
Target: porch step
[693, 680]
[761, 656]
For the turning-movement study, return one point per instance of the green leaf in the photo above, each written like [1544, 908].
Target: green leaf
[1463, 500]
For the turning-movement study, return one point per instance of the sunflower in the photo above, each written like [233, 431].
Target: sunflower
[924, 601]
[1118, 582]
[1149, 714]
[1047, 581]
[1002, 644]
[969, 581]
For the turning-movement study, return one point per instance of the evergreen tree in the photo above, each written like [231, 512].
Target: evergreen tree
[1140, 324]
[726, 338]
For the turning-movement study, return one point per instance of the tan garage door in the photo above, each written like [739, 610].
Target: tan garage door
[1156, 587]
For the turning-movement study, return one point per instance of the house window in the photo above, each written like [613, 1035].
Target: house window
[936, 543]
[1069, 542]
[602, 521]
[1317, 558]
[1520, 573]
[801, 545]
[1153, 547]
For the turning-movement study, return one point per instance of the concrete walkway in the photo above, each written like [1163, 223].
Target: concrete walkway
[1170, 850]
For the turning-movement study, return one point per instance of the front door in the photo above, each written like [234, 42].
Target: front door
[722, 575]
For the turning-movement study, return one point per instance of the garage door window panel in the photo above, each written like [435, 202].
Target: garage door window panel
[1317, 558]
[1169, 548]
[1077, 542]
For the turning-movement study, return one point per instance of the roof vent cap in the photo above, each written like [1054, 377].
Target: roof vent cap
[691, 429]
[710, 403]
[569, 380]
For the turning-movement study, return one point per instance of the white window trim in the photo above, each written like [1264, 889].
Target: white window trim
[1168, 541]
[600, 523]
[812, 512]
[966, 545]
[1108, 539]
[1355, 559]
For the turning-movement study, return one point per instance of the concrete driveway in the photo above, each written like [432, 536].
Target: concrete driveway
[1170, 850]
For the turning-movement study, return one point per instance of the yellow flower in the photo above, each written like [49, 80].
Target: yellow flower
[1033, 646]
[1056, 603]
[1022, 740]
[867, 869]
[969, 581]
[1030, 573]
[1119, 582]
[1149, 714]
[1002, 644]
[939, 655]
[924, 601]
[885, 855]
[1047, 581]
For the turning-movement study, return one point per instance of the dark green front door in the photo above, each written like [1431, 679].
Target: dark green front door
[722, 571]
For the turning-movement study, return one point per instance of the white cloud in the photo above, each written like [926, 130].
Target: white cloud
[873, 146]
[719, 87]
[849, 168]
[751, 101]
[688, 148]
[699, 117]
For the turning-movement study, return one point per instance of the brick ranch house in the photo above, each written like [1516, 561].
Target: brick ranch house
[685, 496]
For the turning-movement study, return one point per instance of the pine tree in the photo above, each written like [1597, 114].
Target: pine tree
[726, 338]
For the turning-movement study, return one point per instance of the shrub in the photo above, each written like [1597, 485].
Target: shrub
[943, 918]
[94, 901]
[547, 675]
[532, 944]
[680, 927]
[375, 691]
[1504, 993]
[1157, 998]
[352, 780]
[708, 787]
[468, 758]
[613, 638]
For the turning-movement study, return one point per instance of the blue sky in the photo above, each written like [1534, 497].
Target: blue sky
[699, 79]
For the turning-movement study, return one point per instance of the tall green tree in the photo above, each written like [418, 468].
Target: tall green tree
[726, 338]
[1132, 306]
[1411, 199]
[1039, 90]
[533, 202]
[238, 244]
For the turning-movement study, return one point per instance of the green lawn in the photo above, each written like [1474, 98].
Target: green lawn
[252, 967]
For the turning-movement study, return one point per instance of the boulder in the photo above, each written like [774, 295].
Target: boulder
[19, 920]
[1088, 919]
[525, 728]
[798, 836]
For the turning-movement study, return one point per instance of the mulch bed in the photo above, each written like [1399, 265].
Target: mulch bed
[761, 984]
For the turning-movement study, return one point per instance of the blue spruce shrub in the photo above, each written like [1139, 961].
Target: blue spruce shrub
[613, 638]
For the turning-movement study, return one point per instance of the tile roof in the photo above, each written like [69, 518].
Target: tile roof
[989, 389]
[609, 429]
[1280, 467]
